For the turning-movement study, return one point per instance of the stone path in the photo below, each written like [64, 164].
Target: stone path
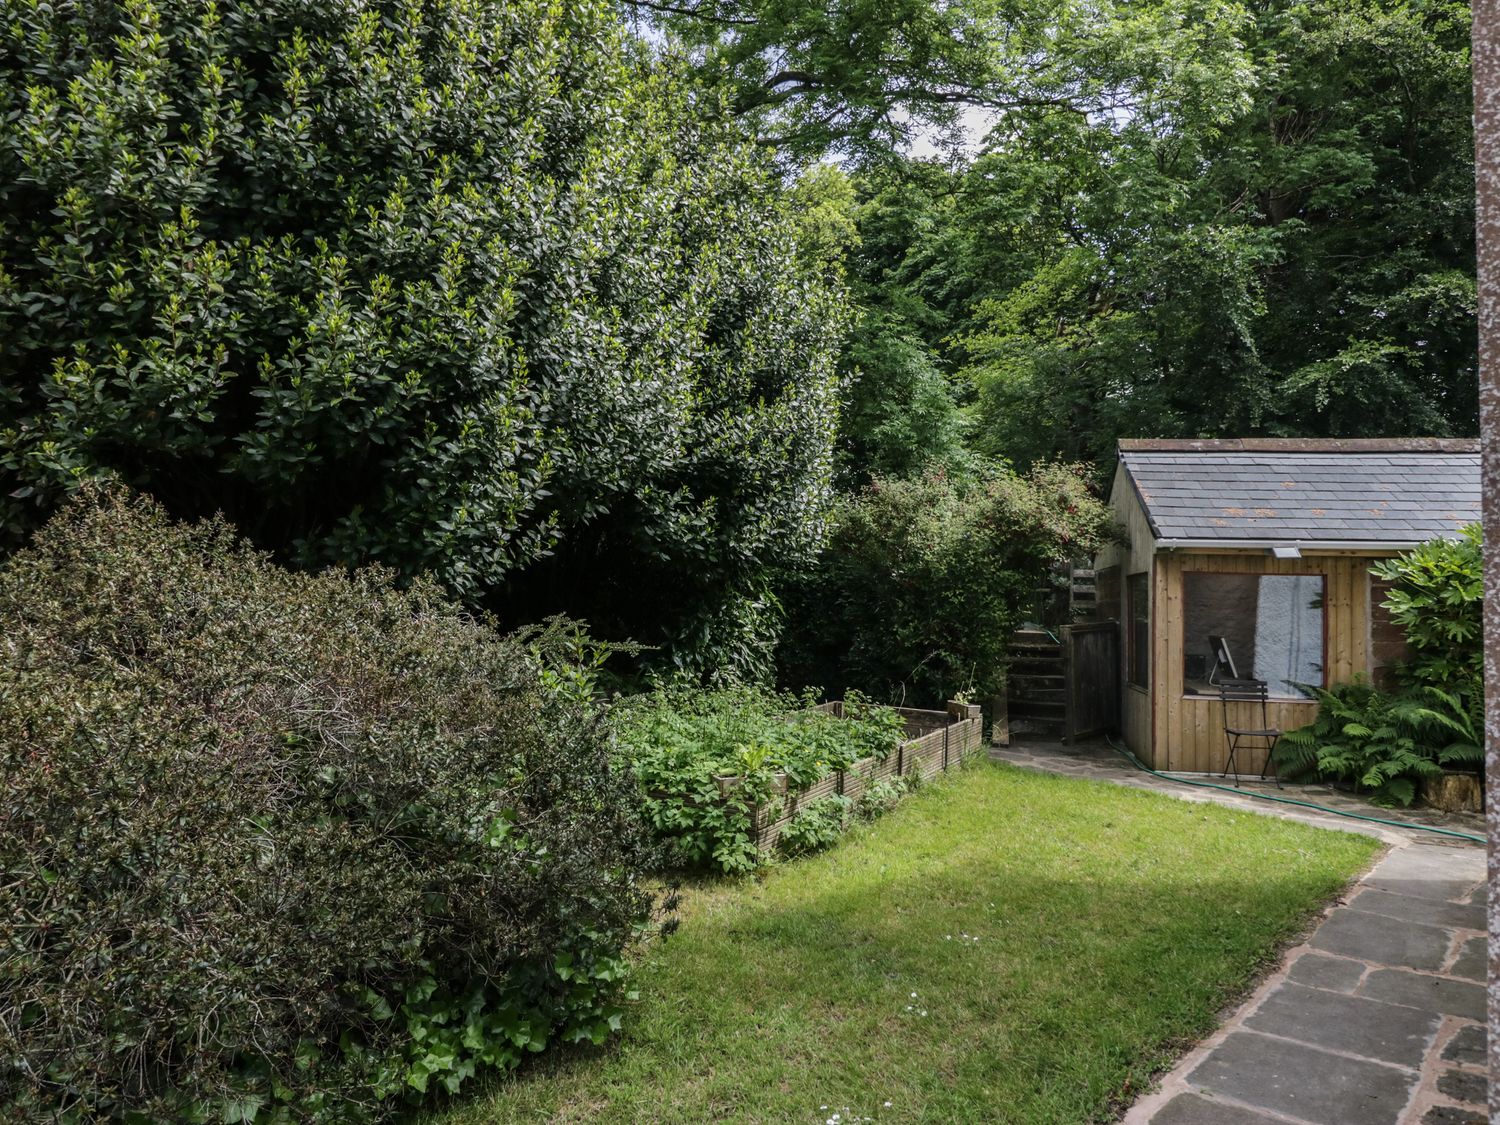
[1094, 759]
[1376, 1019]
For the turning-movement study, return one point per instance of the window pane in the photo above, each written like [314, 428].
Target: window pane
[1253, 626]
[1138, 662]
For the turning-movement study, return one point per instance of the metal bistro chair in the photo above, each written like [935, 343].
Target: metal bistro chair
[1251, 692]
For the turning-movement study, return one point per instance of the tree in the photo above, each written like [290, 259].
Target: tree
[900, 410]
[861, 77]
[471, 288]
[1289, 250]
[925, 579]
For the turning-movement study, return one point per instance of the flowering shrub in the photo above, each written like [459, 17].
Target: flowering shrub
[282, 847]
[680, 743]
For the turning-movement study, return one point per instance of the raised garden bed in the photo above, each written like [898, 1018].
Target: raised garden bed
[936, 741]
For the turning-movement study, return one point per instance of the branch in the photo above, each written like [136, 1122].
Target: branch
[697, 13]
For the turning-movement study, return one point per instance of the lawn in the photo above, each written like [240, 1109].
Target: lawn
[1005, 946]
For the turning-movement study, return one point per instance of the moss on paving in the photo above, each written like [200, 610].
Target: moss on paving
[1112, 926]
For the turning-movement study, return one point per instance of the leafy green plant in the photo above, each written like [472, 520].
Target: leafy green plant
[1363, 736]
[1437, 598]
[1381, 742]
[1448, 715]
[286, 847]
[881, 796]
[923, 582]
[469, 288]
[1387, 741]
[816, 825]
[705, 761]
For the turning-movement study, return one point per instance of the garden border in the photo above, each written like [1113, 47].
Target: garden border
[935, 742]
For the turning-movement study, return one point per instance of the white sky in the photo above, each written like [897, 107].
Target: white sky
[974, 123]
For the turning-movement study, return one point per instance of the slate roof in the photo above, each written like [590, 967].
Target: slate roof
[1385, 492]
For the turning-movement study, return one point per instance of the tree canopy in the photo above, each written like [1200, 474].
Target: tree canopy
[593, 307]
[1262, 225]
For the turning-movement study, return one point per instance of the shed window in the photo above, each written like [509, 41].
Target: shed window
[1253, 626]
[1138, 631]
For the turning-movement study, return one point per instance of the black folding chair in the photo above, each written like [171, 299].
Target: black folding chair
[1240, 693]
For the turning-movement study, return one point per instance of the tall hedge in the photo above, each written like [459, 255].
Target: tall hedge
[468, 287]
[285, 848]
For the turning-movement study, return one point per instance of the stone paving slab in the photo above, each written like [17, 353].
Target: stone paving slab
[1469, 1046]
[1194, 1109]
[1313, 1085]
[1377, 1019]
[1471, 963]
[1320, 970]
[1464, 1086]
[1388, 941]
[1453, 1115]
[1455, 915]
[1425, 873]
[1357, 1025]
[1430, 993]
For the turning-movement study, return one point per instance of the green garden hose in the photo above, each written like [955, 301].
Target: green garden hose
[1140, 765]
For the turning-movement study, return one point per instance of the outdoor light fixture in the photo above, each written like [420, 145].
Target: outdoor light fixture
[1286, 552]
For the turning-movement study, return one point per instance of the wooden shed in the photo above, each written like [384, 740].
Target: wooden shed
[1265, 546]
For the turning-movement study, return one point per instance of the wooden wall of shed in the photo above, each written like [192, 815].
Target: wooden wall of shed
[1388, 645]
[1188, 731]
[1133, 555]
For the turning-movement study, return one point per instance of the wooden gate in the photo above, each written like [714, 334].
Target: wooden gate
[1091, 678]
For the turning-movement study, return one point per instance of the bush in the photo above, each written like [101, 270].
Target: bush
[680, 743]
[1437, 598]
[923, 581]
[816, 825]
[1383, 743]
[465, 287]
[282, 847]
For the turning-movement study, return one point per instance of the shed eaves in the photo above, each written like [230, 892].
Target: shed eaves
[1278, 496]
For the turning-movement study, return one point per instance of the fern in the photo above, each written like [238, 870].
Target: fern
[1383, 743]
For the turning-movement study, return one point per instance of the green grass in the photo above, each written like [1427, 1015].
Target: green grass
[1113, 926]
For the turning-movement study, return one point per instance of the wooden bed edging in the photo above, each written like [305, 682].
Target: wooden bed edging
[936, 741]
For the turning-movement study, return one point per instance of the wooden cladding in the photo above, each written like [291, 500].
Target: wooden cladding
[1187, 732]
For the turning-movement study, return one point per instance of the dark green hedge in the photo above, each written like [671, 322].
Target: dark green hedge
[468, 288]
[284, 847]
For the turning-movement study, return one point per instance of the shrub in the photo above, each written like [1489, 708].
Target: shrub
[680, 743]
[282, 847]
[1384, 742]
[464, 287]
[816, 825]
[1388, 741]
[923, 581]
[1437, 598]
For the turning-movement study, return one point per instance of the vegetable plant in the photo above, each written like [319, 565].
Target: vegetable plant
[706, 761]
